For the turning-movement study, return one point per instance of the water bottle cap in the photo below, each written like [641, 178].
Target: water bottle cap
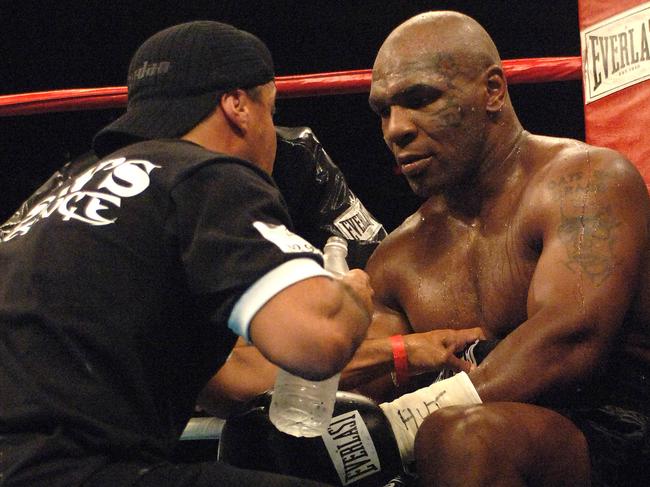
[336, 241]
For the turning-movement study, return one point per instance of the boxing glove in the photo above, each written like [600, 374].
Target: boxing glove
[318, 197]
[366, 445]
[359, 448]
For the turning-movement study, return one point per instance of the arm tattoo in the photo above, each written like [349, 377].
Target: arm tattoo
[587, 230]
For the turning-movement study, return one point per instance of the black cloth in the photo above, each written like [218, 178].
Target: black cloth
[64, 472]
[619, 444]
[613, 412]
[115, 290]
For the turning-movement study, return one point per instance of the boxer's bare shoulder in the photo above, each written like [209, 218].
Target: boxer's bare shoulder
[567, 164]
[445, 269]
[562, 177]
[596, 201]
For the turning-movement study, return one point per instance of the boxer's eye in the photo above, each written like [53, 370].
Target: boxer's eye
[379, 108]
[419, 96]
[383, 111]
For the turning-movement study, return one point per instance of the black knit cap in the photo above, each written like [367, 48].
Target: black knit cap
[176, 77]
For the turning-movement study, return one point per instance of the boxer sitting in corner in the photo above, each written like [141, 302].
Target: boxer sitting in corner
[541, 242]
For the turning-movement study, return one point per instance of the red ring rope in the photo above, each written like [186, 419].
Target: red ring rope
[530, 70]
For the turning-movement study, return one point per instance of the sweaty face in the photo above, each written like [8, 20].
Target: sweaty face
[263, 138]
[433, 116]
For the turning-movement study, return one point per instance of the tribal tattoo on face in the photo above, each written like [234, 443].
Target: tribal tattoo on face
[587, 230]
[446, 64]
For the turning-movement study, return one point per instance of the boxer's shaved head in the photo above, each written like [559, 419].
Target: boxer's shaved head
[439, 40]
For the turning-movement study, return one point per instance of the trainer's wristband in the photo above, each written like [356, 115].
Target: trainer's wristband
[400, 372]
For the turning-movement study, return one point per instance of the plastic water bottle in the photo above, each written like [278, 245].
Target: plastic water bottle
[302, 407]
[335, 254]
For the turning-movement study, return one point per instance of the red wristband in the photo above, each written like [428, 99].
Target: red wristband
[400, 361]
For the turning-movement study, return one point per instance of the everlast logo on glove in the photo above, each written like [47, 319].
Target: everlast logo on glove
[350, 447]
[356, 223]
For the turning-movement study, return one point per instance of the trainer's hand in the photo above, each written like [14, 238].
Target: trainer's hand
[434, 350]
[359, 282]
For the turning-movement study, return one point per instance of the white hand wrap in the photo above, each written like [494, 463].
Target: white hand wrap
[407, 412]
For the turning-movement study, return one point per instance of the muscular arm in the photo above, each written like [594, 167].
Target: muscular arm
[310, 328]
[247, 373]
[313, 327]
[428, 352]
[593, 232]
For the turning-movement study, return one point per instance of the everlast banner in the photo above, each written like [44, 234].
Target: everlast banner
[616, 52]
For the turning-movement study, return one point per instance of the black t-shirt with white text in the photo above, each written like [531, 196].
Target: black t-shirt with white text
[115, 292]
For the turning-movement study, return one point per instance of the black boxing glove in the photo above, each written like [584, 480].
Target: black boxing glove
[359, 448]
[318, 198]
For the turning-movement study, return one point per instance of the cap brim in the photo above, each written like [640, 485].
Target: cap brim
[154, 119]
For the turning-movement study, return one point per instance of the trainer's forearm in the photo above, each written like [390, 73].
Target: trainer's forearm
[245, 375]
[372, 359]
[311, 328]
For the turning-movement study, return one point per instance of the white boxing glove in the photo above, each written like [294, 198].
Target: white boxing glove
[407, 412]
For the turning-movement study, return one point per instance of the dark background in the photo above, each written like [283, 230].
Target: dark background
[50, 45]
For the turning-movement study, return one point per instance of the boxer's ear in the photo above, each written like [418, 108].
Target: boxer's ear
[497, 88]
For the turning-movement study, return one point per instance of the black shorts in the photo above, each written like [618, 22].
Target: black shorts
[614, 416]
[619, 445]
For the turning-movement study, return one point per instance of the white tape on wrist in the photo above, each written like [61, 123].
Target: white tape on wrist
[406, 413]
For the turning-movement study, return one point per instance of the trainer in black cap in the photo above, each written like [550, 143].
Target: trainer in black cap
[176, 77]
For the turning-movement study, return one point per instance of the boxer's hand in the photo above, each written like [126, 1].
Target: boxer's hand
[407, 412]
[434, 350]
[359, 283]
